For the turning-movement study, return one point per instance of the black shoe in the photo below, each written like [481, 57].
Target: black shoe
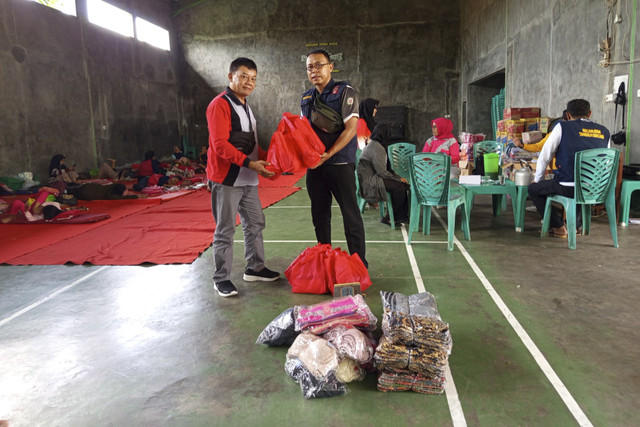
[264, 275]
[225, 288]
[385, 220]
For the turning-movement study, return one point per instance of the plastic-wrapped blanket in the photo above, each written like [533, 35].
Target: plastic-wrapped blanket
[315, 353]
[424, 360]
[351, 342]
[281, 330]
[414, 320]
[350, 310]
[311, 386]
[396, 380]
[349, 370]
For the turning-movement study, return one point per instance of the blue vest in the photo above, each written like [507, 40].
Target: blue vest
[332, 97]
[577, 135]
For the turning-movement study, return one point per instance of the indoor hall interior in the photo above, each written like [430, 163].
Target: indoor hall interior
[541, 334]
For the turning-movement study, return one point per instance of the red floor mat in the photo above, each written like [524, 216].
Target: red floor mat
[161, 232]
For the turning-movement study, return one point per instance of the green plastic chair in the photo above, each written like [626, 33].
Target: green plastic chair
[430, 185]
[188, 149]
[400, 158]
[361, 202]
[595, 178]
[485, 147]
[628, 187]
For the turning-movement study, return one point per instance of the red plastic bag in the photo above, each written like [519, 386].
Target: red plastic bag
[294, 145]
[349, 269]
[318, 268]
[307, 143]
[306, 274]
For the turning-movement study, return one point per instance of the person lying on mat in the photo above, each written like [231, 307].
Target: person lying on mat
[108, 170]
[233, 170]
[96, 191]
[34, 208]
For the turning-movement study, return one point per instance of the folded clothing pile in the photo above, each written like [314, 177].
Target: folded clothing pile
[414, 350]
[330, 344]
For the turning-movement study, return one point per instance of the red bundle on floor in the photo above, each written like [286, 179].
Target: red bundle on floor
[294, 145]
[318, 268]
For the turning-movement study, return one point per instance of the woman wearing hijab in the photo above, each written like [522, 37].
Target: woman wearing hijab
[376, 180]
[366, 123]
[58, 171]
[443, 141]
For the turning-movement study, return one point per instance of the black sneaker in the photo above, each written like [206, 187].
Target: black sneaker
[264, 275]
[225, 288]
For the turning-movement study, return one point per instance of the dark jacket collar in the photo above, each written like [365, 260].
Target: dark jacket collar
[232, 96]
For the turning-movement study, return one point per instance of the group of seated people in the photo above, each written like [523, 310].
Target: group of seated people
[375, 175]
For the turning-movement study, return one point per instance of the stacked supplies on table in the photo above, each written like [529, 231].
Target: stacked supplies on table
[330, 344]
[414, 350]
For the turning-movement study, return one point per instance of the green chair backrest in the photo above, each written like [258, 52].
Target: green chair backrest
[484, 147]
[430, 178]
[399, 158]
[595, 174]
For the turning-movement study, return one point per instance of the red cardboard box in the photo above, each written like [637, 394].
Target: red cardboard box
[511, 114]
[515, 126]
[529, 113]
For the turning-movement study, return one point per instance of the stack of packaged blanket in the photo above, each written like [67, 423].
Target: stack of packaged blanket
[414, 350]
[331, 344]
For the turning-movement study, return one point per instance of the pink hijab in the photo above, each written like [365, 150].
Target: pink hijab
[444, 126]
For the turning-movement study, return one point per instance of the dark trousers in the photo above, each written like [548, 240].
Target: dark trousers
[399, 200]
[339, 181]
[538, 193]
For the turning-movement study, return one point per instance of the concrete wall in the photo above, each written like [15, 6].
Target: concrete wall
[70, 87]
[549, 55]
[403, 53]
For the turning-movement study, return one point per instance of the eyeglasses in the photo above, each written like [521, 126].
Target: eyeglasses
[316, 67]
[245, 77]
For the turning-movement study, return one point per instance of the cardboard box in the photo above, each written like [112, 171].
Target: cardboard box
[466, 167]
[511, 114]
[346, 289]
[515, 126]
[529, 125]
[529, 112]
[543, 124]
[531, 137]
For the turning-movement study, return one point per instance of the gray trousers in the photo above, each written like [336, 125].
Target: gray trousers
[226, 202]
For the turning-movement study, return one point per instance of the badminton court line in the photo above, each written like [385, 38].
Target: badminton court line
[455, 407]
[542, 362]
[50, 296]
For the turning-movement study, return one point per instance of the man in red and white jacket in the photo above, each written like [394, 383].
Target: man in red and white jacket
[232, 170]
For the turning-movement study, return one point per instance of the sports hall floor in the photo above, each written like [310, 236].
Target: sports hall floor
[542, 335]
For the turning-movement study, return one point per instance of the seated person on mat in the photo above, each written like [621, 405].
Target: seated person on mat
[376, 180]
[179, 156]
[58, 171]
[149, 168]
[96, 191]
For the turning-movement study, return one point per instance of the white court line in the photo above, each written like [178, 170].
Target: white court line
[400, 242]
[455, 407]
[50, 296]
[542, 362]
